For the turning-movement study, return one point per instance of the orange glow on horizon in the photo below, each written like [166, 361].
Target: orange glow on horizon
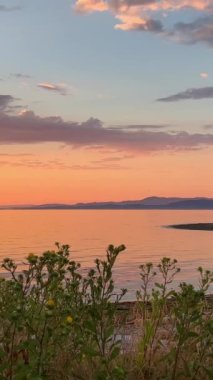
[80, 175]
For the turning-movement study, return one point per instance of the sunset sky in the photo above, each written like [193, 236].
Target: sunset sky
[105, 99]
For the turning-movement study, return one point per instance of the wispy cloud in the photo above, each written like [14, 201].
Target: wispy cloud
[141, 5]
[200, 30]
[191, 93]
[61, 89]
[97, 167]
[5, 8]
[204, 75]
[28, 128]
[59, 165]
[87, 6]
[139, 127]
[5, 102]
[16, 155]
[208, 126]
[149, 16]
[20, 76]
[113, 159]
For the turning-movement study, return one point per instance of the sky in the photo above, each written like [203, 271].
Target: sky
[105, 100]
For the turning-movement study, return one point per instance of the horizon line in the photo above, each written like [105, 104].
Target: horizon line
[102, 202]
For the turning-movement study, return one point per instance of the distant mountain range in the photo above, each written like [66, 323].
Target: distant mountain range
[150, 203]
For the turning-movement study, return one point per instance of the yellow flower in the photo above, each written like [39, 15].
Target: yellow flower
[69, 319]
[50, 304]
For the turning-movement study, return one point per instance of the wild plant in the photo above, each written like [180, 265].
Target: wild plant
[192, 353]
[57, 324]
[152, 316]
[101, 317]
[49, 307]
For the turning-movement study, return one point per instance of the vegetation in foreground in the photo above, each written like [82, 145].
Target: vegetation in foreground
[57, 324]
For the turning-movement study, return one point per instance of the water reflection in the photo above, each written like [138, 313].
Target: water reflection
[89, 233]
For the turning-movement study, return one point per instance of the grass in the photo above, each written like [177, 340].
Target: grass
[56, 324]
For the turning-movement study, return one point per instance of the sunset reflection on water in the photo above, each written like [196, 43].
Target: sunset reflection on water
[90, 232]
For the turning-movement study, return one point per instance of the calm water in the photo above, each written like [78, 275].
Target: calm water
[89, 233]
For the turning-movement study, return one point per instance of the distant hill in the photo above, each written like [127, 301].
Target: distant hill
[191, 204]
[156, 201]
[150, 203]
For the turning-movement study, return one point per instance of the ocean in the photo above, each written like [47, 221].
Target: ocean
[89, 232]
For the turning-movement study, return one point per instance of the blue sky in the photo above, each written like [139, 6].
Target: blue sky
[113, 75]
[105, 99]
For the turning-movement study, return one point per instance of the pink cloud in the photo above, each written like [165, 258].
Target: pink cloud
[204, 75]
[59, 88]
[149, 15]
[28, 128]
[87, 6]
